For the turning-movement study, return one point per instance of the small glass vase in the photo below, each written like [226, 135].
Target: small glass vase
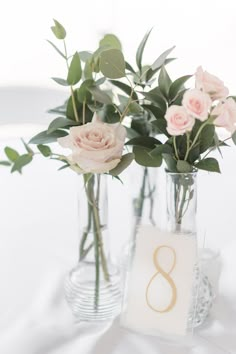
[92, 287]
[181, 191]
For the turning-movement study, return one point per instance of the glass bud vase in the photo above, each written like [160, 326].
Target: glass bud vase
[181, 189]
[92, 287]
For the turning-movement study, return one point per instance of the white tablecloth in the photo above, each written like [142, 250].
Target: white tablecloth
[38, 244]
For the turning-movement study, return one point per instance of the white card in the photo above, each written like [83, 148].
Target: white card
[160, 282]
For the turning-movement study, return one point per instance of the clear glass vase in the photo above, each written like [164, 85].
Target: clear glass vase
[92, 287]
[181, 191]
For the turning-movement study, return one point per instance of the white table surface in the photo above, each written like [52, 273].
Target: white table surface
[38, 244]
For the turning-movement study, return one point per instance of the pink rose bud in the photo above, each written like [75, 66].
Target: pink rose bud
[197, 103]
[226, 115]
[96, 147]
[178, 120]
[210, 84]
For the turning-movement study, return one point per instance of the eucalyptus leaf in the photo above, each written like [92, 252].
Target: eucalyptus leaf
[5, 163]
[75, 71]
[60, 81]
[112, 64]
[156, 98]
[143, 157]
[100, 95]
[129, 68]
[123, 164]
[183, 166]
[60, 122]
[45, 150]
[156, 111]
[57, 49]
[234, 137]
[209, 164]
[21, 161]
[85, 55]
[139, 53]
[170, 162]
[160, 124]
[110, 40]
[161, 59]
[44, 138]
[11, 154]
[125, 88]
[145, 141]
[58, 30]
[164, 82]
[177, 85]
[161, 149]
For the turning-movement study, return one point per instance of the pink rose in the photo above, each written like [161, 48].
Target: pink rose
[210, 84]
[96, 147]
[178, 120]
[197, 103]
[226, 113]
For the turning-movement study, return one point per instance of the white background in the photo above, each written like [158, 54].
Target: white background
[203, 31]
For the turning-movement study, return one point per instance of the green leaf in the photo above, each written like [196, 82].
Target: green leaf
[83, 93]
[129, 68]
[27, 147]
[139, 53]
[164, 82]
[58, 30]
[234, 137]
[100, 81]
[60, 81]
[60, 122]
[110, 40]
[208, 164]
[183, 166]
[45, 150]
[75, 71]
[143, 157]
[177, 85]
[100, 95]
[125, 88]
[145, 141]
[44, 138]
[58, 50]
[22, 161]
[161, 149]
[170, 163]
[5, 163]
[151, 72]
[112, 64]
[156, 97]
[161, 59]
[110, 114]
[11, 153]
[123, 164]
[85, 55]
[160, 124]
[206, 137]
[156, 111]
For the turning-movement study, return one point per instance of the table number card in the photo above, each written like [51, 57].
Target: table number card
[160, 283]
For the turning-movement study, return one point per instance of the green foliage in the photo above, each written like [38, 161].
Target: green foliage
[234, 137]
[209, 164]
[100, 95]
[112, 64]
[125, 88]
[45, 150]
[60, 81]
[57, 50]
[177, 86]
[45, 138]
[58, 30]
[164, 82]
[110, 40]
[122, 165]
[139, 53]
[144, 158]
[183, 166]
[145, 141]
[21, 161]
[60, 122]
[11, 154]
[75, 71]
[160, 61]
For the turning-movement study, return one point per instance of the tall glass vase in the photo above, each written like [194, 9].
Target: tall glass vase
[92, 287]
[181, 189]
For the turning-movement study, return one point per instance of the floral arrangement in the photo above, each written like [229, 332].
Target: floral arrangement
[112, 105]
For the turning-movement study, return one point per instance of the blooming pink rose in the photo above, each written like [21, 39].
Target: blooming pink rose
[178, 120]
[96, 147]
[210, 84]
[197, 103]
[226, 113]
